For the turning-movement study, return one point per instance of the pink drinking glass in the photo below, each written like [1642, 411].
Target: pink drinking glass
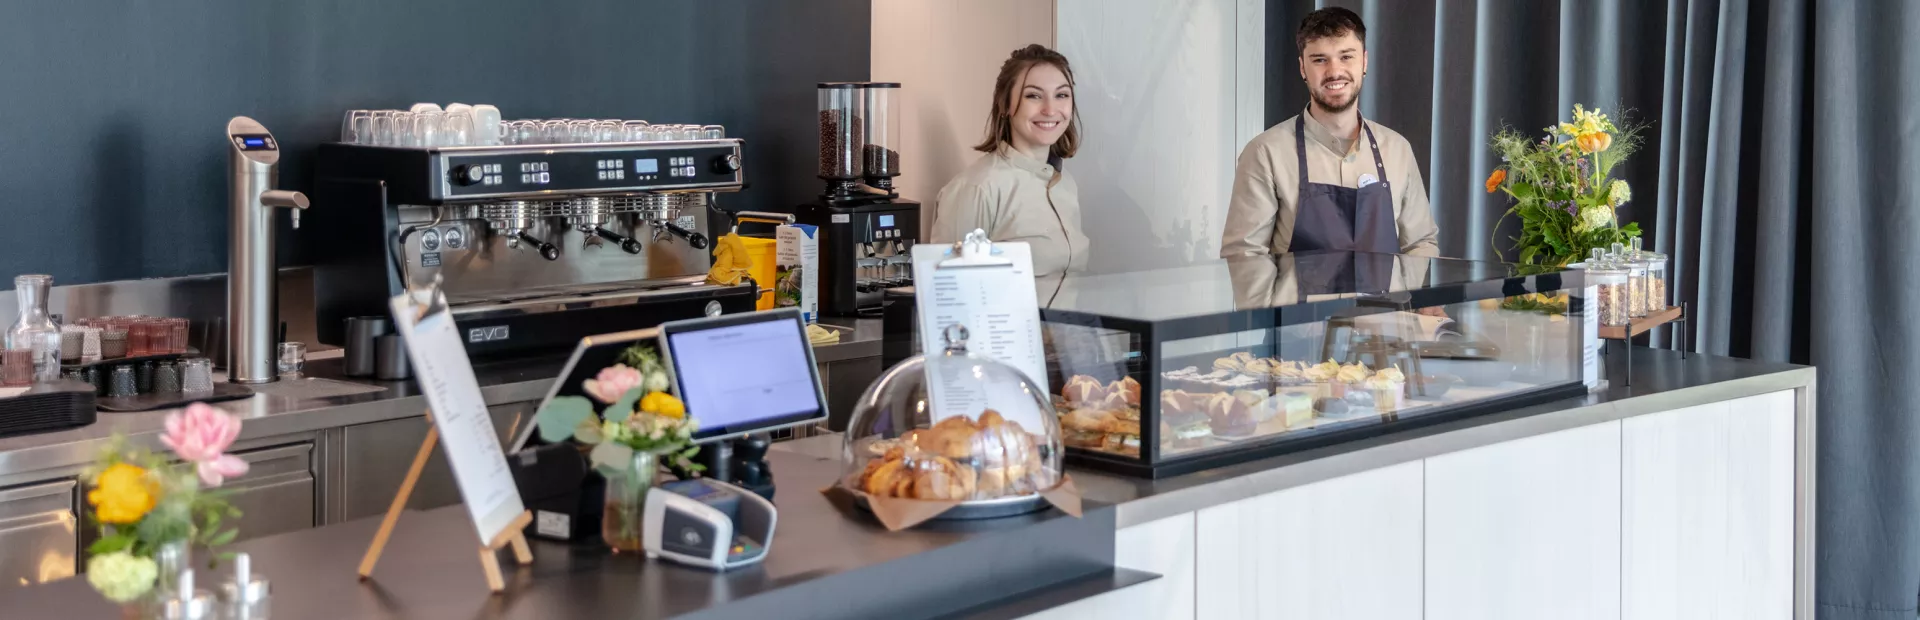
[180, 329]
[159, 336]
[16, 367]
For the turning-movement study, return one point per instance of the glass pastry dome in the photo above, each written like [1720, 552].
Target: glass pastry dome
[953, 426]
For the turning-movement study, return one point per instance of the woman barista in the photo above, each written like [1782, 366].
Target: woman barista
[1017, 191]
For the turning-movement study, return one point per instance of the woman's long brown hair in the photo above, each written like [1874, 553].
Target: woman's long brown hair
[1000, 121]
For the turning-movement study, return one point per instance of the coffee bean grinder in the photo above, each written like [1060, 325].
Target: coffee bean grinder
[867, 231]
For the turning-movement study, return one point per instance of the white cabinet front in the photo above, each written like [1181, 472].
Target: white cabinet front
[1347, 548]
[1709, 511]
[1526, 529]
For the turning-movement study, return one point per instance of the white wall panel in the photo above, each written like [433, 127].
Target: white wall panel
[1164, 87]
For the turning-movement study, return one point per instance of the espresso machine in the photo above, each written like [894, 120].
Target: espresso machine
[867, 231]
[534, 245]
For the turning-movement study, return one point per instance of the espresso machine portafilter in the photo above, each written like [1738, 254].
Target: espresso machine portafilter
[252, 285]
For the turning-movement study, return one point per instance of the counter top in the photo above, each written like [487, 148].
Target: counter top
[826, 561]
[326, 398]
[1662, 381]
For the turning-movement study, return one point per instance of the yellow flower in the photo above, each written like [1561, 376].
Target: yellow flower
[122, 494]
[1593, 142]
[663, 404]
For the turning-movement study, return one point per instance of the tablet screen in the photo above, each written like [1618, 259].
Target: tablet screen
[746, 376]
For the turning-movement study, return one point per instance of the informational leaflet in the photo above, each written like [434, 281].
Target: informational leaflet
[992, 295]
[467, 437]
[1590, 328]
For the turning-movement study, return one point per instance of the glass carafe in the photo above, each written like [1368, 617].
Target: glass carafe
[35, 331]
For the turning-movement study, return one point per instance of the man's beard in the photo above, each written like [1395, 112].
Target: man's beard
[1352, 98]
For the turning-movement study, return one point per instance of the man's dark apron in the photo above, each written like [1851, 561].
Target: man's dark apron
[1331, 220]
[1331, 217]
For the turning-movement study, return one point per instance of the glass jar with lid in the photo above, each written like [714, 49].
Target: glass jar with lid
[1636, 269]
[1611, 282]
[1653, 297]
[954, 426]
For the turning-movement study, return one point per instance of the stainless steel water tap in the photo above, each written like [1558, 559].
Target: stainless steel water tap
[253, 318]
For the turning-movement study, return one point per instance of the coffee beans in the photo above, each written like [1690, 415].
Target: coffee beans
[840, 132]
[881, 161]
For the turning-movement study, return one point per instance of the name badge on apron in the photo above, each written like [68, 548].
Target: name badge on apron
[1367, 179]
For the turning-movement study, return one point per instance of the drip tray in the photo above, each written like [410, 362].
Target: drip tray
[310, 387]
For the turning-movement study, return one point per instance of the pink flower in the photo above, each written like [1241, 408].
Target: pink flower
[201, 435]
[613, 382]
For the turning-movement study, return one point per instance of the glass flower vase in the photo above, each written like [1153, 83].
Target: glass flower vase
[170, 560]
[626, 504]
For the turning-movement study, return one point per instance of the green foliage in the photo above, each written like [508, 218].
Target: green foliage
[558, 419]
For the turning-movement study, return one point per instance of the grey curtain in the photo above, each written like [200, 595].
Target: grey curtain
[1782, 174]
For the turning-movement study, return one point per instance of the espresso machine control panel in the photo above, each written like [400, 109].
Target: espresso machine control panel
[683, 165]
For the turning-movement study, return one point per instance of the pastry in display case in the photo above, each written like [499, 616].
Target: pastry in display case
[957, 428]
[1234, 359]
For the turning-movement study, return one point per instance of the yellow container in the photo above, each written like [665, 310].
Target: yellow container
[761, 252]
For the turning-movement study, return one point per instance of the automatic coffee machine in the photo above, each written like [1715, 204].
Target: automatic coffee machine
[867, 231]
[535, 245]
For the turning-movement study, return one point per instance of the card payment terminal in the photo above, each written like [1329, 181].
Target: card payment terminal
[707, 523]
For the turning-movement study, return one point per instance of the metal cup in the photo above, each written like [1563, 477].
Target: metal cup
[362, 332]
[390, 359]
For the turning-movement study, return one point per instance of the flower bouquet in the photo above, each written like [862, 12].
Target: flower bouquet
[1561, 189]
[152, 508]
[639, 425]
[1563, 194]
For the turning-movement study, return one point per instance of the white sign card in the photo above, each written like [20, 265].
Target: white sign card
[441, 368]
[989, 290]
[1590, 334]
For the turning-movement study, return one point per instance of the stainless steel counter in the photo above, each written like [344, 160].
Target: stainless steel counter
[292, 408]
[324, 449]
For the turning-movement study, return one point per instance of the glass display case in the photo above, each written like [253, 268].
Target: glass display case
[1168, 371]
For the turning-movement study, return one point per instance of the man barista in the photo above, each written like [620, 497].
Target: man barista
[1328, 179]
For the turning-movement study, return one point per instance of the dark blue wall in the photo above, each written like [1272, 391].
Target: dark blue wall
[112, 112]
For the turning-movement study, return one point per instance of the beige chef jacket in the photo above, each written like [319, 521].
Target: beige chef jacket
[1015, 197]
[1266, 186]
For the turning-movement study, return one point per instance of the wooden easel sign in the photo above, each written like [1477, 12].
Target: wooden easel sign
[462, 427]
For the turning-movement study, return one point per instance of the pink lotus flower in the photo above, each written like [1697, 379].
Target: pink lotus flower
[201, 435]
[613, 382]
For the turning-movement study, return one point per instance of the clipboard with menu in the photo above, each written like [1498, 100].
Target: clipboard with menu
[987, 288]
[463, 429]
